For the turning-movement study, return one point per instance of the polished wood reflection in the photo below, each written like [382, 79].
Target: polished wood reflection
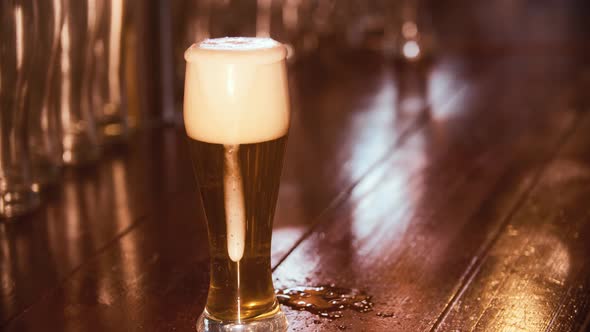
[455, 192]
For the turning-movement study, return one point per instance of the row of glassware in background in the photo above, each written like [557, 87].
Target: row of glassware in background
[69, 69]
[62, 91]
[400, 29]
[397, 28]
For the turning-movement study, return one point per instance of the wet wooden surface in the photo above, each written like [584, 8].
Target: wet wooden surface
[456, 193]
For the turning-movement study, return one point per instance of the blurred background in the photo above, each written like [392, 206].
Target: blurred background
[88, 74]
[410, 31]
[79, 77]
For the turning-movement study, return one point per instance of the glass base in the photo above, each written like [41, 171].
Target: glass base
[114, 134]
[81, 155]
[44, 176]
[275, 323]
[113, 125]
[16, 203]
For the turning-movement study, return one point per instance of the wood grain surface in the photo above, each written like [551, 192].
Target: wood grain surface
[455, 192]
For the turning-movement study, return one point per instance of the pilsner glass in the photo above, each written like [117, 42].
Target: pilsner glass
[107, 88]
[79, 135]
[43, 117]
[236, 114]
[17, 36]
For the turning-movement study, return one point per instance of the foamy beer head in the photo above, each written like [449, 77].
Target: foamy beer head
[236, 91]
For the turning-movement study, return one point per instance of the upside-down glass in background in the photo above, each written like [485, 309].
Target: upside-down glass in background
[191, 25]
[236, 114]
[107, 97]
[132, 63]
[44, 146]
[73, 83]
[17, 34]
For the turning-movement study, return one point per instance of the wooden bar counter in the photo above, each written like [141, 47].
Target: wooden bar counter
[456, 193]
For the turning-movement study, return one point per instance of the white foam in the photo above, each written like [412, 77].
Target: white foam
[236, 91]
[235, 212]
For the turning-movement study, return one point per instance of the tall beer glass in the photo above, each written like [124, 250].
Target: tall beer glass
[236, 114]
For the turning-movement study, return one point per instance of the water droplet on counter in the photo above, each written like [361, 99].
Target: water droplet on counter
[385, 314]
[512, 231]
[325, 301]
[331, 314]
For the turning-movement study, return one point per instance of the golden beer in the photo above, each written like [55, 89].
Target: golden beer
[236, 114]
[260, 167]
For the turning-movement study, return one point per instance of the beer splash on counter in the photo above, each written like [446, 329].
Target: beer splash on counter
[326, 301]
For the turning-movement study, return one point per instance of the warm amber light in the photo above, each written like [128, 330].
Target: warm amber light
[411, 50]
[409, 30]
